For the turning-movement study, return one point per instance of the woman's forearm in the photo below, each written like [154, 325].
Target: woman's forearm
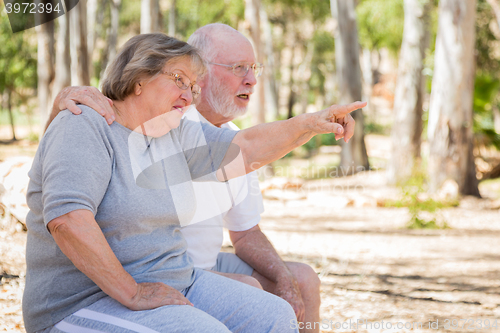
[82, 241]
[265, 143]
[262, 144]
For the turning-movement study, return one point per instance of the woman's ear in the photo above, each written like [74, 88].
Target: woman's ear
[138, 88]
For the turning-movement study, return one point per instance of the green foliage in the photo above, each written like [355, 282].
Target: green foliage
[487, 58]
[372, 127]
[130, 17]
[412, 192]
[323, 60]
[380, 24]
[316, 10]
[320, 140]
[17, 58]
[486, 89]
[33, 137]
[192, 14]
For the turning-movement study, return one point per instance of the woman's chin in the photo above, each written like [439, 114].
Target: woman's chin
[160, 125]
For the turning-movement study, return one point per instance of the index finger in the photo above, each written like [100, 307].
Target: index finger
[342, 110]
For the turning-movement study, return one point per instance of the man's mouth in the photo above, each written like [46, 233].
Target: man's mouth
[244, 96]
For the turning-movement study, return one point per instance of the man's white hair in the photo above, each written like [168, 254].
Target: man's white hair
[203, 39]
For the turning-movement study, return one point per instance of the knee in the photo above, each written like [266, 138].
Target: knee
[308, 279]
[251, 281]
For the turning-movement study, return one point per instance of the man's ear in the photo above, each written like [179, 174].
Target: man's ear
[203, 82]
[138, 88]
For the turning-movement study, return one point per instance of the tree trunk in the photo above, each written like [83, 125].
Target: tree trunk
[408, 100]
[353, 155]
[63, 59]
[367, 72]
[271, 95]
[113, 34]
[450, 111]
[171, 19]
[291, 84]
[7, 104]
[78, 45]
[257, 105]
[496, 9]
[149, 16]
[304, 75]
[92, 6]
[45, 68]
[496, 119]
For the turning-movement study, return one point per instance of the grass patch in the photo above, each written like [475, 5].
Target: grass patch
[417, 223]
[413, 190]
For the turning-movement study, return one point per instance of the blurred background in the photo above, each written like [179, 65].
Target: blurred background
[316, 53]
[386, 219]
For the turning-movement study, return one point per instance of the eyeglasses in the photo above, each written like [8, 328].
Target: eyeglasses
[241, 69]
[183, 82]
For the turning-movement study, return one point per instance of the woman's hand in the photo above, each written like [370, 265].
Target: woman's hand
[151, 295]
[336, 119]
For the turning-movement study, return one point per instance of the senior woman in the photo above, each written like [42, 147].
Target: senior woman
[104, 249]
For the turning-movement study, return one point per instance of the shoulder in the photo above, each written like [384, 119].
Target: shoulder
[89, 118]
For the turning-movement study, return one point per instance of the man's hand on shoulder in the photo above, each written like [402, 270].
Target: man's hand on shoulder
[69, 97]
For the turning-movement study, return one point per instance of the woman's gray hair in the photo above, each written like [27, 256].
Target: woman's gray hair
[144, 56]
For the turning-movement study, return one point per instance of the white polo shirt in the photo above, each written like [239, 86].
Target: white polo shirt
[235, 205]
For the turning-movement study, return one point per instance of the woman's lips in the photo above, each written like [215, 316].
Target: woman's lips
[179, 109]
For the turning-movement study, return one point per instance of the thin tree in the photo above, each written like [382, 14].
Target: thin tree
[113, 33]
[252, 16]
[45, 67]
[78, 45]
[407, 126]
[7, 105]
[271, 95]
[149, 16]
[353, 156]
[63, 60]
[450, 112]
[171, 19]
[92, 10]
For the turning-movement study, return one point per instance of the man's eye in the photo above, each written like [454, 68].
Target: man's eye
[240, 67]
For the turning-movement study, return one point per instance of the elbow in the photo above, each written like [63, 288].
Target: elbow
[57, 225]
[61, 224]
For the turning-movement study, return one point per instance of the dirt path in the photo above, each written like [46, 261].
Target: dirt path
[371, 268]
[374, 270]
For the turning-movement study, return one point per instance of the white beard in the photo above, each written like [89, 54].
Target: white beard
[221, 102]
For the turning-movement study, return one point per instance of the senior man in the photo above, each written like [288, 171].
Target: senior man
[226, 91]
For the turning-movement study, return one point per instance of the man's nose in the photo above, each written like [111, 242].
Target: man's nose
[250, 79]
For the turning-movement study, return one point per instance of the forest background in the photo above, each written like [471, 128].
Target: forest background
[390, 53]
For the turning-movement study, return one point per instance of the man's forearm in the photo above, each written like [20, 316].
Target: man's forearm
[256, 250]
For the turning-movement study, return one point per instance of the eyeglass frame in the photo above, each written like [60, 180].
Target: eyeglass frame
[176, 77]
[252, 66]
